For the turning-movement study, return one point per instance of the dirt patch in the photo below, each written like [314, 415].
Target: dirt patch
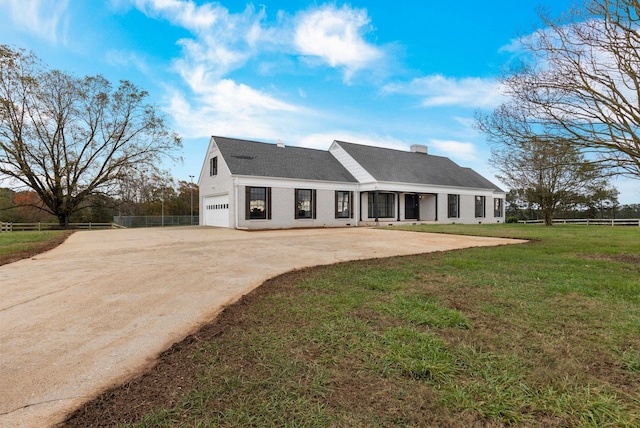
[633, 259]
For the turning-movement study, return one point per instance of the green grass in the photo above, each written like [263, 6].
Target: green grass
[15, 244]
[541, 334]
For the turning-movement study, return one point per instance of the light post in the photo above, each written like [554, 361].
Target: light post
[191, 188]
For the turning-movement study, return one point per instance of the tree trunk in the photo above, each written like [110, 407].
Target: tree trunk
[548, 216]
[63, 220]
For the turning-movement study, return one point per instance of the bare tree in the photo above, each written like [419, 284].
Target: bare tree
[68, 138]
[545, 170]
[582, 81]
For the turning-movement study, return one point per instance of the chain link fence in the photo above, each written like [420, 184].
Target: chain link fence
[155, 220]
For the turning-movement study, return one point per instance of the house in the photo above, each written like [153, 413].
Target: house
[254, 185]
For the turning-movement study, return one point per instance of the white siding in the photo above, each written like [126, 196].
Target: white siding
[283, 209]
[217, 185]
[350, 164]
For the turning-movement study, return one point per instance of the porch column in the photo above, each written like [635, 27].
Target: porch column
[376, 209]
[436, 207]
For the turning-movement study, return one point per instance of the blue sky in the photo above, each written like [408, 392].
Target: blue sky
[383, 73]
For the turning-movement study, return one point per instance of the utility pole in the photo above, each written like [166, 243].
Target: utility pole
[191, 188]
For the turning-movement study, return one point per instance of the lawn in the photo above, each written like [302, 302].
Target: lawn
[540, 334]
[20, 245]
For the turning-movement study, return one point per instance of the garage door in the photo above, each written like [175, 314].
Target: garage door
[216, 211]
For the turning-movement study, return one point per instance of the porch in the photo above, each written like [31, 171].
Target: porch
[393, 207]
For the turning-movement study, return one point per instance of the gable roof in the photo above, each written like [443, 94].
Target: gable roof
[397, 166]
[252, 158]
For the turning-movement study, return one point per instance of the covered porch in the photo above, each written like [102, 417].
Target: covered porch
[396, 207]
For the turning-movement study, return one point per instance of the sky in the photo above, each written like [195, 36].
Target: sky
[304, 72]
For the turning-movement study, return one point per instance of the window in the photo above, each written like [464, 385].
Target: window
[213, 166]
[305, 203]
[480, 203]
[385, 207]
[454, 206]
[497, 207]
[258, 203]
[343, 204]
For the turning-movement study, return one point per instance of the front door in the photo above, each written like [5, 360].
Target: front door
[411, 207]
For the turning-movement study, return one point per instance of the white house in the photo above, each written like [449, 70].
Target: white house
[253, 185]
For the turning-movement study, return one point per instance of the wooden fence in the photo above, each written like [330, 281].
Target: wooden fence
[19, 227]
[590, 221]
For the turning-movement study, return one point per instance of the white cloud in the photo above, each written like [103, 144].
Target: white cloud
[335, 36]
[44, 18]
[184, 13]
[225, 107]
[222, 41]
[438, 90]
[125, 59]
[455, 149]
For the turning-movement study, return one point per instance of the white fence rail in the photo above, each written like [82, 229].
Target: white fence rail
[590, 221]
[20, 227]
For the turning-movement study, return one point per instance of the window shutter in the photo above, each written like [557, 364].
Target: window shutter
[268, 203]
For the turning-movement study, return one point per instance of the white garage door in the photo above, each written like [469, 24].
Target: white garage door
[216, 211]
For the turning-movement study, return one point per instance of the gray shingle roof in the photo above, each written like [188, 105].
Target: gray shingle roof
[252, 158]
[420, 168]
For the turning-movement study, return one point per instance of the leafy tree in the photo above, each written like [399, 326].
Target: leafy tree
[629, 211]
[30, 207]
[8, 213]
[70, 138]
[581, 81]
[187, 197]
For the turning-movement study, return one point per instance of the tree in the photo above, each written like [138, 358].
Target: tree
[545, 170]
[188, 197]
[30, 207]
[70, 138]
[581, 81]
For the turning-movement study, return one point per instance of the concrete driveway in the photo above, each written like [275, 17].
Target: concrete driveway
[97, 310]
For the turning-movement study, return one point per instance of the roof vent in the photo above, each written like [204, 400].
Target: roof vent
[279, 143]
[418, 148]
